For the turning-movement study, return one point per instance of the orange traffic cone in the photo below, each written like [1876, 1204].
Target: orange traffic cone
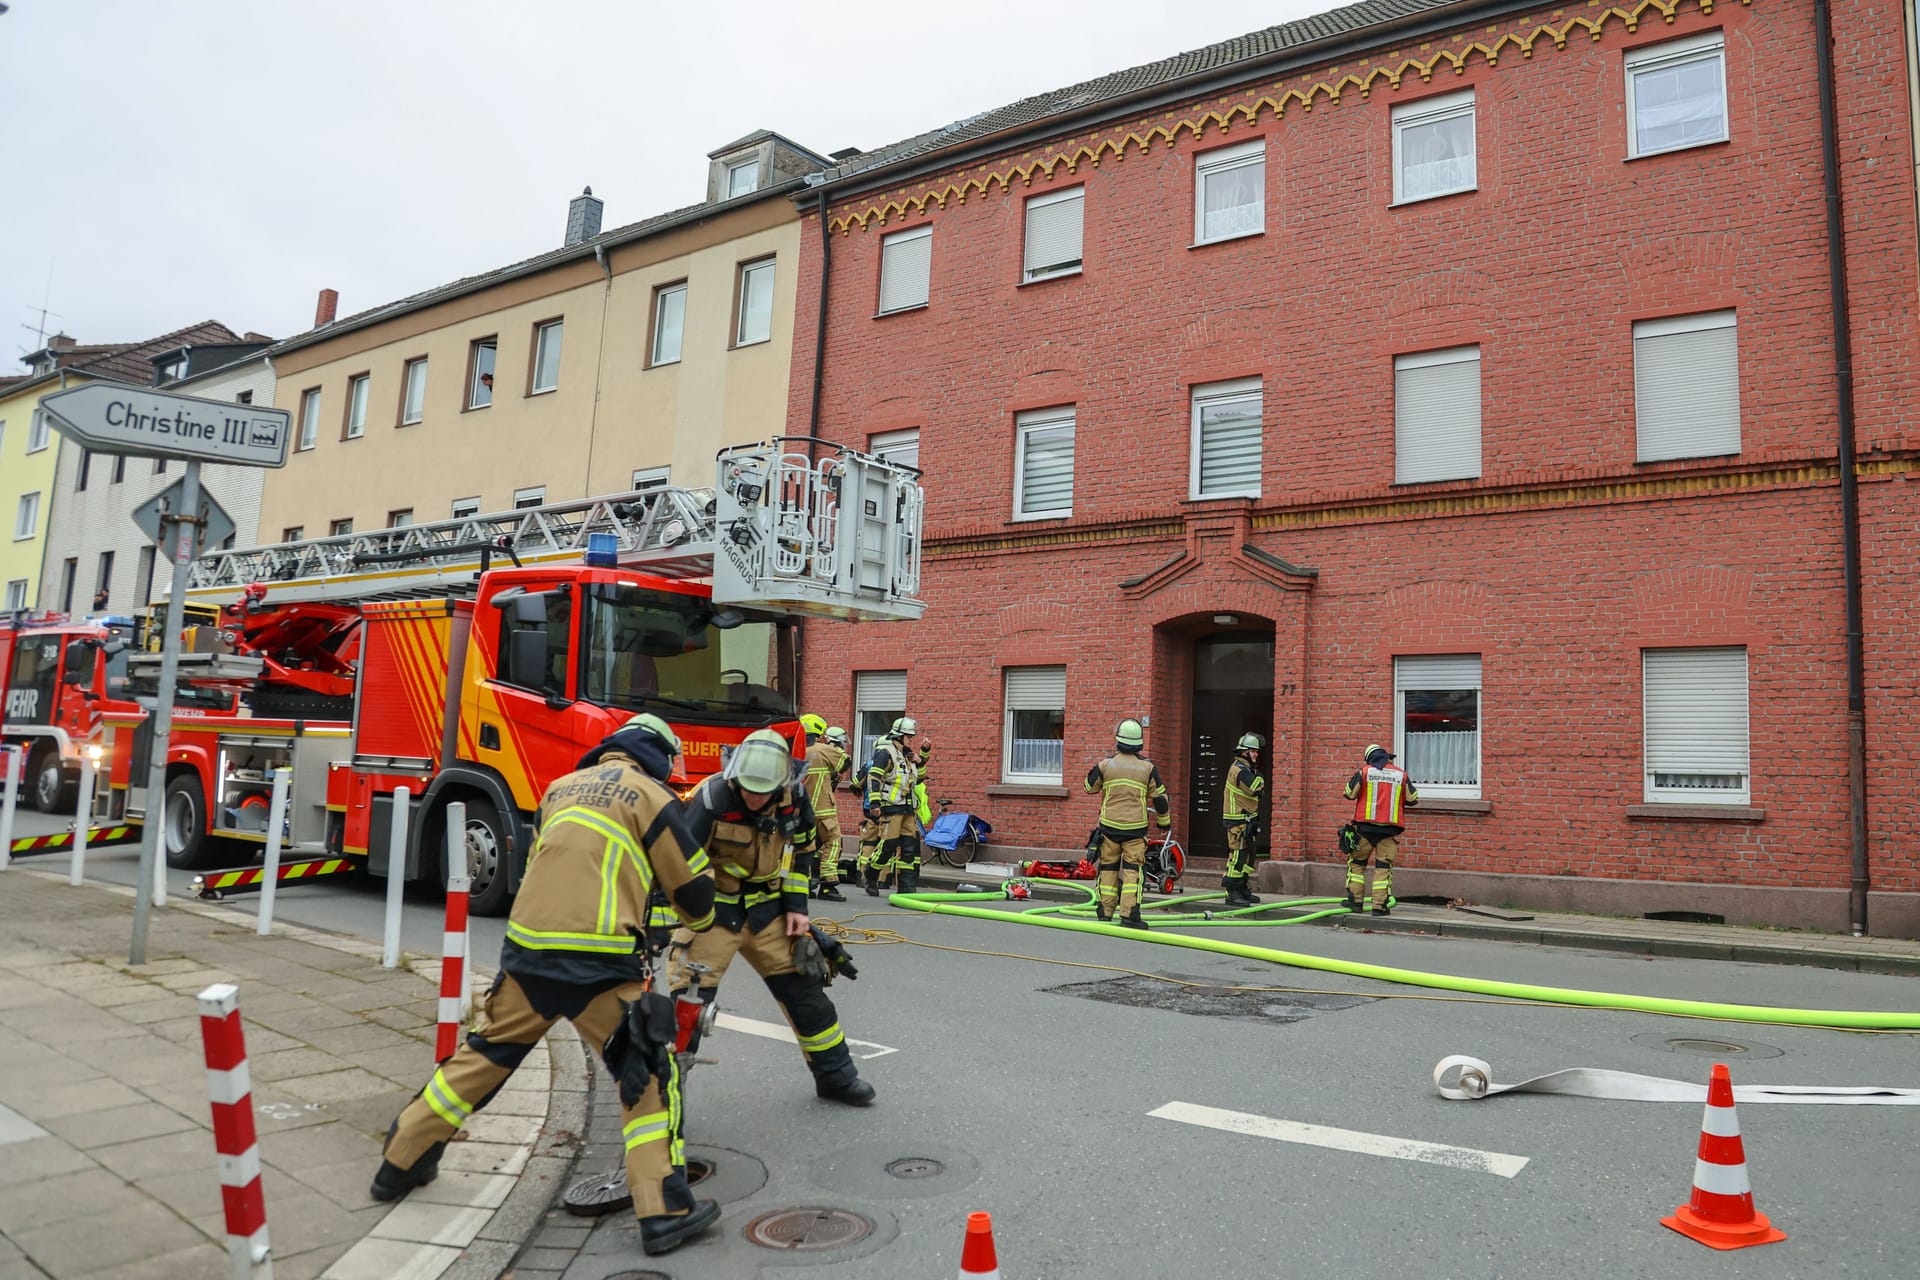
[1721, 1214]
[976, 1256]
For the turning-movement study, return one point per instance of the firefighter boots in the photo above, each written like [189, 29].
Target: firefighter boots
[1238, 894]
[668, 1231]
[873, 883]
[830, 893]
[1132, 919]
[853, 1091]
[392, 1182]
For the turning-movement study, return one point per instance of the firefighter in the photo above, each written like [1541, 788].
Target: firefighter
[758, 829]
[1242, 809]
[1379, 789]
[1129, 788]
[892, 777]
[610, 832]
[826, 761]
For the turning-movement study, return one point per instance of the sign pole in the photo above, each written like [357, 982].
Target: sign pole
[153, 863]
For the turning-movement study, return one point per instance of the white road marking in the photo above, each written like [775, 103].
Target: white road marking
[781, 1031]
[1369, 1144]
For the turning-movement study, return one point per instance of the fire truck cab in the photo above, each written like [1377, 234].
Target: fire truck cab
[60, 675]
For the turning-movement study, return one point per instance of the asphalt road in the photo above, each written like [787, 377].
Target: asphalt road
[1030, 1077]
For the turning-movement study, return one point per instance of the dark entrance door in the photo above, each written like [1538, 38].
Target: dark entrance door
[1232, 695]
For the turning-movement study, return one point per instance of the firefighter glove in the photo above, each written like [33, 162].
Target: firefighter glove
[835, 952]
[641, 1046]
[1349, 839]
[810, 962]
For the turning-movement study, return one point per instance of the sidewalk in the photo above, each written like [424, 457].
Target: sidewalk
[107, 1165]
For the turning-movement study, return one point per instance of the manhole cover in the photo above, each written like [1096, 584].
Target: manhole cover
[1203, 998]
[810, 1230]
[698, 1171]
[601, 1194]
[1712, 1048]
[639, 1275]
[916, 1167]
[1707, 1046]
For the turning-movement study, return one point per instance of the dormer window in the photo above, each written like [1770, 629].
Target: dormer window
[743, 178]
[173, 370]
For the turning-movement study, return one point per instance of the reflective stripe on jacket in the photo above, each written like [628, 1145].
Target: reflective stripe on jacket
[1244, 785]
[758, 855]
[824, 763]
[1129, 788]
[890, 777]
[1378, 791]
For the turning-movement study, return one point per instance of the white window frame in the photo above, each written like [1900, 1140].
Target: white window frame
[646, 479]
[1697, 688]
[1435, 110]
[293, 533]
[532, 496]
[1208, 164]
[906, 270]
[1432, 673]
[340, 528]
[545, 331]
[16, 594]
[747, 273]
[657, 355]
[1703, 420]
[359, 388]
[39, 432]
[750, 167]
[26, 516]
[400, 518]
[1711, 45]
[413, 407]
[883, 695]
[309, 419]
[1211, 395]
[1449, 460]
[464, 508]
[1065, 266]
[1021, 690]
[902, 447]
[1025, 425]
[474, 372]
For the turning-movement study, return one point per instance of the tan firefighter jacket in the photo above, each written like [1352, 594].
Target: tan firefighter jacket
[825, 764]
[1244, 785]
[761, 860]
[1129, 788]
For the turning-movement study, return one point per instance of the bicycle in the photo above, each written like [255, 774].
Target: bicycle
[955, 838]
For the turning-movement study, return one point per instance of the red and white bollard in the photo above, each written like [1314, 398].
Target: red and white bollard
[453, 946]
[230, 1090]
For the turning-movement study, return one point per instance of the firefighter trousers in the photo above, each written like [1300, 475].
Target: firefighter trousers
[504, 1031]
[826, 827]
[1120, 869]
[899, 849]
[1382, 852]
[770, 951]
[869, 846]
[1239, 853]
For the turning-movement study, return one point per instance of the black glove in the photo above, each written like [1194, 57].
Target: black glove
[835, 952]
[641, 1047]
[1349, 838]
[809, 961]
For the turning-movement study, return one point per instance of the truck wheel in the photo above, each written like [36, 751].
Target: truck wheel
[52, 793]
[489, 859]
[183, 824]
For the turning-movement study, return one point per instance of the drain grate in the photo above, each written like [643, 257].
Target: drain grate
[1208, 1000]
[1707, 1047]
[1712, 1048]
[809, 1230]
[639, 1275]
[916, 1167]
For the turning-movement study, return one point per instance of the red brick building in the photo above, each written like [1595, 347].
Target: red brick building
[1456, 376]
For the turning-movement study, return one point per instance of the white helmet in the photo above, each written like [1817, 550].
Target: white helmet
[761, 764]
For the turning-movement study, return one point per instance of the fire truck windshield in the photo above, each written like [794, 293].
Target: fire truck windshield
[646, 649]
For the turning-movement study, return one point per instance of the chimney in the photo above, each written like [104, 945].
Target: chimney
[326, 308]
[60, 342]
[583, 217]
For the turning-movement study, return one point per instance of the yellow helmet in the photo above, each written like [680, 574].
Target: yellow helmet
[655, 725]
[813, 726]
[763, 763]
[1130, 734]
[1373, 747]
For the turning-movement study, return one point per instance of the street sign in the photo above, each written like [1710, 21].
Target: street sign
[216, 525]
[113, 417]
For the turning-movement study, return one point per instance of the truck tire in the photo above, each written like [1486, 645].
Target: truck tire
[183, 824]
[52, 792]
[489, 858]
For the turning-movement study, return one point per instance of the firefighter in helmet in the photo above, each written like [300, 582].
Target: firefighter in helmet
[1241, 809]
[892, 778]
[826, 761]
[610, 833]
[1130, 789]
[758, 829]
[1380, 789]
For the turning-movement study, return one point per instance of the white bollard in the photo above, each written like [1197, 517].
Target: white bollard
[10, 771]
[270, 878]
[236, 1141]
[453, 943]
[83, 815]
[396, 876]
[457, 864]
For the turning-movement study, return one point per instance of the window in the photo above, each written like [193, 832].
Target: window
[546, 357]
[69, 579]
[159, 466]
[1226, 440]
[1229, 192]
[879, 698]
[906, 269]
[309, 418]
[480, 378]
[16, 594]
[143, 576]
[902, 447]
[1696, 726]
[465, 507]
[1433, 147]
[524, 498]
[103, 581]
[755, 322]
[1036, 724]
[1053, 233]
[413, 394]
[293, 533]
[1436, 416]
[27, 517]
[1686, 387]
[1043, 465]
[243, 397]
[541, 667]
[1677, 95]
[339, 528]
[400, 519]
[119, 468]
[1436, 714]
[743, 178]
[646, 478]
[86, 469]
[38, 430]
[356, 407]
[669, 323]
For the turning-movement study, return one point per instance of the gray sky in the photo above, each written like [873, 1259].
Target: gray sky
[171, 162]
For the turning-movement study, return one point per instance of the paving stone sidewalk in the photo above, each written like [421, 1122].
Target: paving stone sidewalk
[107, 1165]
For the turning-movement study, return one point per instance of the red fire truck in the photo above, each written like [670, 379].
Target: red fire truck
[61, 675]
[481, 682]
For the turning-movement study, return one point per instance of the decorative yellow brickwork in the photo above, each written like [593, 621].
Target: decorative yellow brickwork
[1223, 113]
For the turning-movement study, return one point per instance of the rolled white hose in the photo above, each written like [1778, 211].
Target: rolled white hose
[1461, 1078]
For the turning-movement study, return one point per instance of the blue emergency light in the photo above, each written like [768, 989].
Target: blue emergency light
[603, 550]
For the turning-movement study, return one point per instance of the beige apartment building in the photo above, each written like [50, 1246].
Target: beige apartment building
[622, 359]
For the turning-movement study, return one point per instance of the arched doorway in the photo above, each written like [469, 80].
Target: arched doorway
[1232, 694]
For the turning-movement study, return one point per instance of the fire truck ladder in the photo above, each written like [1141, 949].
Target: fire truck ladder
[776, 534]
